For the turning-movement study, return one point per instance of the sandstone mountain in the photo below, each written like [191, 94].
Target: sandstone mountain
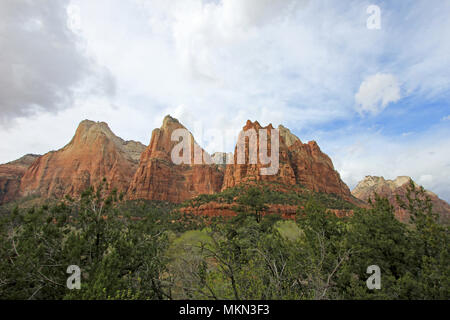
[10, 175]
[239, 172]
[94, 153]
[371, 185]
[222, 158]
[158, 178]
[299, 163]
[149, 173]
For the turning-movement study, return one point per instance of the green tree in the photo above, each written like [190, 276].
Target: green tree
[252, 201]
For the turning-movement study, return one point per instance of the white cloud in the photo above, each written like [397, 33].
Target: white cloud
[446, 118]
[221, 62]
[376, 92]
[360, 152]
[42, 66]
[425, 179]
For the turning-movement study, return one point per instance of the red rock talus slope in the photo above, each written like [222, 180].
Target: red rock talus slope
[93, 153]
[159, 178]
[390, 188]
[10, 175]
[300, 163]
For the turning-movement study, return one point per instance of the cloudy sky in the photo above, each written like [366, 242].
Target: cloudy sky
[377, 100]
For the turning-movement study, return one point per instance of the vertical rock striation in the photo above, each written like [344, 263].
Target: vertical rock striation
[10, 175]
[371, 185]
[94, 153]
[159, 178]
[299, 163]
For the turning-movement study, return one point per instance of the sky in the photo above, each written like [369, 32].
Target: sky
[376, 97]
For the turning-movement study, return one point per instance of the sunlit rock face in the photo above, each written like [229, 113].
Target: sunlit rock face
[371, 185]
[10, 175]
[159, 178]
[95, 153]
[299, 163]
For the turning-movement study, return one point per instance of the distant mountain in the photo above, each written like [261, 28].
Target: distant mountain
[94, 153]
[10, 176]
[372, 185]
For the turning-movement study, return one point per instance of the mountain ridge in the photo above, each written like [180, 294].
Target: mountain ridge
[371, 185]
[11, 174]
[93, 153]
[147, 172]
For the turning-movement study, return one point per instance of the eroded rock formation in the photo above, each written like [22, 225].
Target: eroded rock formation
[372, 185]
[94, 153]
[299, 163]
[159, 178]
[10, 175]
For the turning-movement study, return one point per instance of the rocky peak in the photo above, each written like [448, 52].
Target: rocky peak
[91, 132]
[159, 178]
[401, 180]
[161, 144]
[256, 126]
[94, 153]
[370, 181]
[169, 120]
[10, 175]
[88, 128]
[289, 138]
[371, 185]
[299, 163]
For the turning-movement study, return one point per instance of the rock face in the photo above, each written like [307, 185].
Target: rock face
[150, 173]
[159, 178]
[10, 175]
[299, 163]
[222, 158]
[370, 186]
[315, 170]
[244, 171]
[94, 153]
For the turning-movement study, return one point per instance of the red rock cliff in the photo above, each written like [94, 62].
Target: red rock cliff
[371, 185]
[159, 178]
[93, 153]
[10, 175]
[300, 163]
[239, 172]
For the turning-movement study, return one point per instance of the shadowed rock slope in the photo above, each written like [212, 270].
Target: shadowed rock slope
[10, 175]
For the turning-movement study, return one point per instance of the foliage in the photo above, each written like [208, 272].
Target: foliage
[148, 250]
[273, 193]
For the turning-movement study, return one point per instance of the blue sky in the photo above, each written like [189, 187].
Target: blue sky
[376, 100]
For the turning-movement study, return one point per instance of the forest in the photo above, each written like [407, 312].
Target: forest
[148, 250]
